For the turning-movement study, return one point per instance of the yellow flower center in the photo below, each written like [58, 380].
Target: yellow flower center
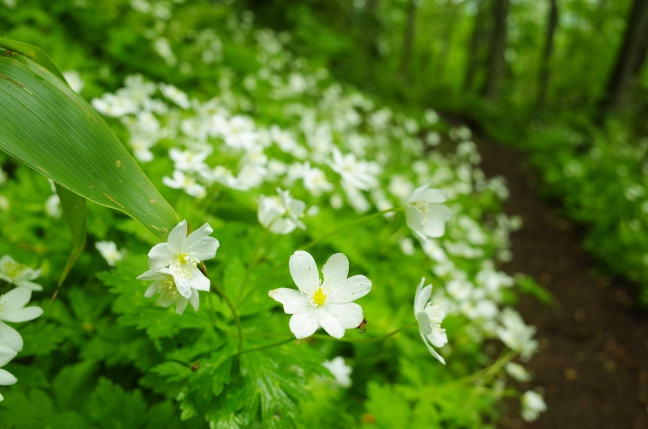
[319, 297]
[168, 287]
[14, 269]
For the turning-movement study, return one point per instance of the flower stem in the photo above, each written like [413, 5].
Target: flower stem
[223, 295]
[365, 340]
[352, 224]
[268, 346]
[251, 264]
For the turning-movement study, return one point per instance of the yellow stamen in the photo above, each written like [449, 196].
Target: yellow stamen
[319, 297]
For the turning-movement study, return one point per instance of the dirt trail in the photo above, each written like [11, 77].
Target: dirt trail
[593, 362]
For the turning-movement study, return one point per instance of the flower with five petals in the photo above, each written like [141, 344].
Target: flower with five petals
[326, 304]
[181, 254]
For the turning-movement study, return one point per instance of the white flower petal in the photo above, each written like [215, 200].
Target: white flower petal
[205, 249]
[181, 304]
[293, 301]
[437, 216]
[194, 299]
[432, 351]
[424, 323]
[353, 288]
[304, 272]
[177, 237]
[161, 256]
[198, 280]
[197, 236]
[6, 354]
[304, 324]
[349, 315]
[414, 218]
[153, 275]
[21, 314]
[10, 338]
[29, 285]
[336, 270]
[422, 296]
[6, 378]
[14, 299]
[330, 322]
[152, 289]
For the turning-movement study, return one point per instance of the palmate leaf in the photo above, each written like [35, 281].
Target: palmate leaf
[51, 129]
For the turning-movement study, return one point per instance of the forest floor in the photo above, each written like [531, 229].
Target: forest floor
[593, 357]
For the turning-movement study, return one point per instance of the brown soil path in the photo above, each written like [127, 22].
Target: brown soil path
[593, 362]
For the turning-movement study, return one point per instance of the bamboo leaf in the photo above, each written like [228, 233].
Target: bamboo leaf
[53, 130]
[34, 53]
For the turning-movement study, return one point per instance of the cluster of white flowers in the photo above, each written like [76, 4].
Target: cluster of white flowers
[174, 267]
[333, 148]
[12, 309]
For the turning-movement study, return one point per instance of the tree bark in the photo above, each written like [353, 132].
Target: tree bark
[474, 48]
[408, 40]
[630, 60]
[496, 60]
[552, 24]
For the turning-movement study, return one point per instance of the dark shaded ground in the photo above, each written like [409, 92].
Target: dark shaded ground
[593, 362]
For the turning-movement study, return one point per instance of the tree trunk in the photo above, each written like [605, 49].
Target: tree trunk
[630, 60]
[373, 25]
[496, 60]
[475, 45]
[552, 24]
[408, 40]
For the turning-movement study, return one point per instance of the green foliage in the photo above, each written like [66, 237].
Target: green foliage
[103, 355]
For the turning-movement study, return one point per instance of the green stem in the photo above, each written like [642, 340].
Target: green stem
[229, 303]
[268, 346]
[322, 238]
[364, 340]
[352, 224]
[490, 373]
[252, 261]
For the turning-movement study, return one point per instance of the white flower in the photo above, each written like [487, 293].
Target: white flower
[238, 132]
[315, 180]
[516, 334]
[53, 206]
[189, 160]
[141, 146]
[12, 306]
[325, 304]
[181, 254]
[356, 173]
[532, 405]
[517, 371]
[174, 94]
[18, 274]
[425, 214]
[6, 378]
[429, 318]
[281, 213]
[74, 80]
[340, 370]
[407, 246]
[109, 252]
[186, 183]
[165, 285]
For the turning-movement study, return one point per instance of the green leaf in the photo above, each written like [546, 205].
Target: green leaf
[74, 209]
[110, 407]
[34, 53]
[53, 130]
